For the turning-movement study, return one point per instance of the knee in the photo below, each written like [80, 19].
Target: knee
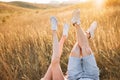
[55, 61]
[86, 50]
[75, 52]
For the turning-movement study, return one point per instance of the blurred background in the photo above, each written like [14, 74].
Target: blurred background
[26, 40]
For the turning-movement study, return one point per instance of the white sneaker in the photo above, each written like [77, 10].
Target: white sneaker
[53, 23]
[76, 17]
[92, 29]
[65, 29]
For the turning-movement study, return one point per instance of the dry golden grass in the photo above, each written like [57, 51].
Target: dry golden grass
[26, 41]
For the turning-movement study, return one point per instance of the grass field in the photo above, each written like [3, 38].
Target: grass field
[26, 40]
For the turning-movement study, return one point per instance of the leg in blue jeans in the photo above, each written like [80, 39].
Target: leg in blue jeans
[74, 64]
[88, 64]
[90, 69]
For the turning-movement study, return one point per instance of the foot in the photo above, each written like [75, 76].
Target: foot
[65, 30]
[92, 29]
[53, 21]
[76, 17]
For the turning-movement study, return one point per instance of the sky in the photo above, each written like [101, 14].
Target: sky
[43, 1]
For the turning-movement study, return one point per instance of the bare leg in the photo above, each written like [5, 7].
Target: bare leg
[62, 40]
[83, 41]
[57, 72]
[76, 49]
[54, 72]
[75, 52]
[74, 65]
[53, 20]
[87, 63]
[54, 68]
[81, 36]
[55, 45]
[89, 34]
[48, 75]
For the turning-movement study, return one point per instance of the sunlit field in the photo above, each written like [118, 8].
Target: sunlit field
[26, 38]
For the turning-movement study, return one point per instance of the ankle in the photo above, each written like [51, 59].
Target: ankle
[55, 61]
[77, 26]
[88, 35]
